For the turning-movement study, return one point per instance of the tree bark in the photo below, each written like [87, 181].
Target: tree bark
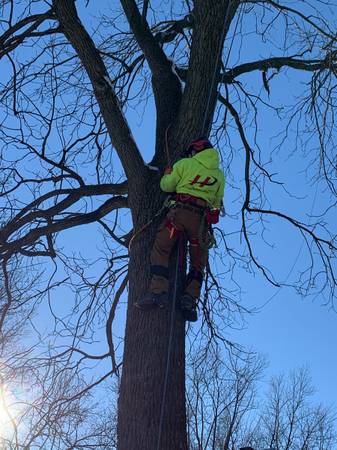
[144, 364]
[212, 19]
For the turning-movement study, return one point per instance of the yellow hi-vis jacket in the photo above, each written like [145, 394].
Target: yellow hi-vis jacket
[199, 176]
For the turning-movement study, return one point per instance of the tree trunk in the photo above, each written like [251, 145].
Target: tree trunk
[145, 360]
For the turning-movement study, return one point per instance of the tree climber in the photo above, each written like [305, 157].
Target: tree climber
[198, 184]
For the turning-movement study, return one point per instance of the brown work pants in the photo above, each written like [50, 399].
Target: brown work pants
[189, 222]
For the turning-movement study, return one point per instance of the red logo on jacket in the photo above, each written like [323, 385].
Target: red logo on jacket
[208, 181]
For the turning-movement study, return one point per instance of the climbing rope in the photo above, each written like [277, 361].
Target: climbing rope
[217, 65]
[166, 202]
[168, 157]
[144, 227]
[169, 346]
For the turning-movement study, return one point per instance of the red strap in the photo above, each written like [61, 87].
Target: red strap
[195, 241]
[172, 229]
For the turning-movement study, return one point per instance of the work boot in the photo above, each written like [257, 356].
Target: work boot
[151, 301]
[188, 306]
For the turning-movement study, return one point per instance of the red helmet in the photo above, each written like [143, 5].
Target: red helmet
[198, 145]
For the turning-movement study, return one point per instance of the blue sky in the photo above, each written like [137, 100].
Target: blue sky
[293, 333]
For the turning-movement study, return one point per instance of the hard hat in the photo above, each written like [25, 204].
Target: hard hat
[198, 145]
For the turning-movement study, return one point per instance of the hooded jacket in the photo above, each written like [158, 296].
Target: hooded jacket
[199, 176]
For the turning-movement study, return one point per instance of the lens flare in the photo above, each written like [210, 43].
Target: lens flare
[8, 411]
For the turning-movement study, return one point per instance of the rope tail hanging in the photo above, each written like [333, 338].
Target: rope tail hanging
[169, 347]
[162, 209]
[216, 68]
[168, 157]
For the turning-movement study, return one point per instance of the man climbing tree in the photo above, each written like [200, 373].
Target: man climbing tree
[73, 158]
[199, 186]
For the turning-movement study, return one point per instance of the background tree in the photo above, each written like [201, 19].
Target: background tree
[229, 408]
[69, 85]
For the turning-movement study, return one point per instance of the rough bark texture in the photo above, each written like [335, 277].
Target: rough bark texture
[212, 20]
[144, 366]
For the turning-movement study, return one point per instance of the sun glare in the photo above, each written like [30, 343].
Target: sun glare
[8, 411]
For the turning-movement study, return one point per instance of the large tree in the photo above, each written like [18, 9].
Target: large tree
[69, 85]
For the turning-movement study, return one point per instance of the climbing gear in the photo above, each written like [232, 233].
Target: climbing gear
[172, 229]
[191, 199]
[211, 241]
[198, 145]
[194, 209]
[151, 301]
[188, 306]
[212, 216]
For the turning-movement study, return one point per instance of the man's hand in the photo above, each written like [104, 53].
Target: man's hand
[212, 216]
[168, 170]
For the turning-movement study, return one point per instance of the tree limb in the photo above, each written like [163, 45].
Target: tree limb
[119, 131]
[212, 20]
[166, 84]
[309, 65]
[30, 212]
[9, 40]
[32, 236]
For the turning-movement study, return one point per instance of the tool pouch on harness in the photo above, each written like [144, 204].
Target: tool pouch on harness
[211, 241]
[212, 216]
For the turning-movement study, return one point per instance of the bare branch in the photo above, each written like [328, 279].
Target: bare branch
[117, 126]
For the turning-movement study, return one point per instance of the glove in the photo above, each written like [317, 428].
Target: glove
[168, 170]
[212, 216]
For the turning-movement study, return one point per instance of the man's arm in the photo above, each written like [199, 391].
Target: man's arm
[169, 181]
